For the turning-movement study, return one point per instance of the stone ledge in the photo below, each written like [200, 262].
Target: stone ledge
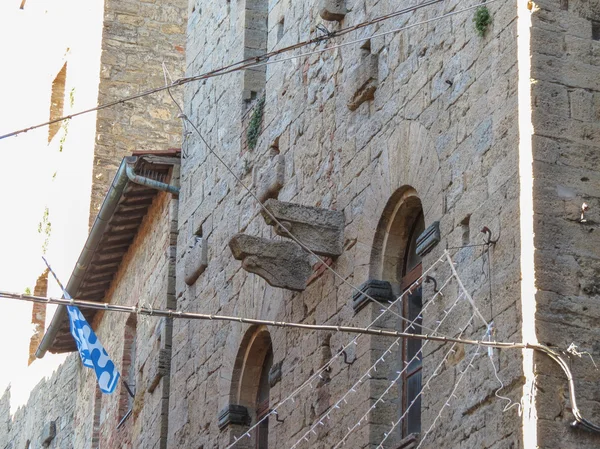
[378, 290]
[233, 414]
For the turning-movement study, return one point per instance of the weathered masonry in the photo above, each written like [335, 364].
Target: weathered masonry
[448, 158]
[420, 138]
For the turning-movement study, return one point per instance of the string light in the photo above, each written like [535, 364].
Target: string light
[259, 61]
[426, 386]
[366, 375]
[396, 379]
[353, 342]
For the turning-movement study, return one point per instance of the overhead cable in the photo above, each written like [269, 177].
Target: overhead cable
[258, 61]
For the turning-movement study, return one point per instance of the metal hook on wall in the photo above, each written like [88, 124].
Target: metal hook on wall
[488, 233]
[346, 358]
[429, 279]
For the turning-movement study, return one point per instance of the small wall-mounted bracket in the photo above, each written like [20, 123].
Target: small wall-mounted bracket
[270, 178]
[195, 260]
[332, 10]
[488, 236]
[363, 82]
[275, 374]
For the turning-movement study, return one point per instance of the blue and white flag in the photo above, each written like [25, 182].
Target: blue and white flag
[93, 354]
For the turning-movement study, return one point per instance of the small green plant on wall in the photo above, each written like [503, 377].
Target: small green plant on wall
[255, 123]
[482, 20]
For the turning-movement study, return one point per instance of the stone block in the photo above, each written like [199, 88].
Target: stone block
[379, 290]
[275, 374]
[281, 264]
[363, 82]
[233, 414]
[333, 10]
[428, 239]
[321, 230]
[270, 178]
[196, 260]
[48, 433]
[159, 370]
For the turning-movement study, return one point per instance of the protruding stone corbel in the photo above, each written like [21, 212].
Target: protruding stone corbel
[281, 264]
[321, 230]
[376, 289]
[270, 178]
[196, 261]
[363, 82]
[233, 414]
[333, 10]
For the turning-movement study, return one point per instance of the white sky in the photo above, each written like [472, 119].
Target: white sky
[34, 44]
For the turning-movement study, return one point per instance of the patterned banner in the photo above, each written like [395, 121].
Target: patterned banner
[93, 355]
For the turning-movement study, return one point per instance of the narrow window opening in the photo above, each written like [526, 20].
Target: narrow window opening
[262, 403]
[280, 29]
[595, 30]
[57, 101]
[128, 368]
[466, 232]
[412, 356]
[255, 45]
[96, 421]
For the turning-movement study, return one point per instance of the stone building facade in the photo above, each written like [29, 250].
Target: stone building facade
[436, 122]
[423, 140]
[142, 45]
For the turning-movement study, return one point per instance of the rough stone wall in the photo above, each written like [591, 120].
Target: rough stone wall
[38, 315]
[53, 400]
[565, 51]
[144, 279]
[138, 37]
[442, 119]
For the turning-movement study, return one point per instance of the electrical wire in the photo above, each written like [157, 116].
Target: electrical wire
[281, 226]
[258, 61]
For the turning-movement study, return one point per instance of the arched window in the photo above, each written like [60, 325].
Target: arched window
[128, 368]
[250, 386]
[97, 419]
[411, 351]
[394, 259]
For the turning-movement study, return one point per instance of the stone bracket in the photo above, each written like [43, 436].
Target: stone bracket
[282, 264]
[321, 230]
[48, 433]
[270, 178]
[428, 239]
[160, 370]
[275, 374]
[379, 290]
[332, 10]
[363, 82]
[409, 442]
[195, 260]
[233, 414]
